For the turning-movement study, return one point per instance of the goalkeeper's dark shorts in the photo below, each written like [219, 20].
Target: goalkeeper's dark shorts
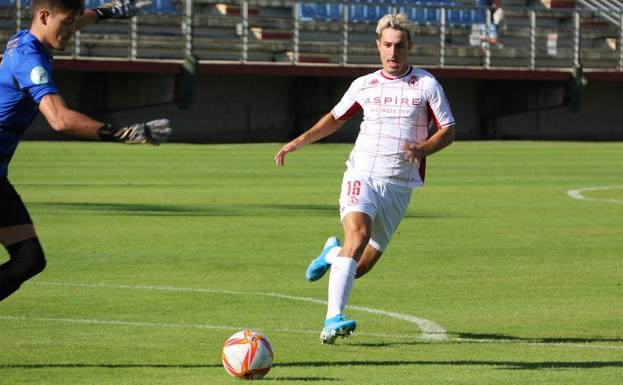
[12, 209]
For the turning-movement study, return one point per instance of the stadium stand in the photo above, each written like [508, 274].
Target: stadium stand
[538, 33]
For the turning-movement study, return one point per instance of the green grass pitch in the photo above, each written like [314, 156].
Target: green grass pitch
[156, 255]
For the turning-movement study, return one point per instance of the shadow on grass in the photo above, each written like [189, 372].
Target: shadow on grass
[150, 366]
[541, 340]
[504, 365]
[237, 210]
[470, 338]
[507, 365]
[304, 379]
[109, 366]
[222, 210]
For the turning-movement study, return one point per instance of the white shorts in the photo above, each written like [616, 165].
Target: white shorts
[385, 203]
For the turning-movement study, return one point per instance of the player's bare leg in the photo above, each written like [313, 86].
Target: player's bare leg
[368, 259]
[357, 229]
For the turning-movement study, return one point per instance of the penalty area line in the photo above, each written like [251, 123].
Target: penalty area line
[578, 194]
[165, 325]
[430, 331]
[181, 326]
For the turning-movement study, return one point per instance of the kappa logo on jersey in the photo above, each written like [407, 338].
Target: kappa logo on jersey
[374, 82]
[413, 81]
[39, 75]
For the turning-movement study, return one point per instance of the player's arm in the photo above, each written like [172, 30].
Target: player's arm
[116, 9]
[67, 121]
[439, 140]
[326, 126]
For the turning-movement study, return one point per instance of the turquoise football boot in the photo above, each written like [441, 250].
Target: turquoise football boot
[319, 265]
[337, 326]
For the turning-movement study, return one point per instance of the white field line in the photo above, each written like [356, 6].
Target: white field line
[430, 331]
[179, 326]
[577, 194]
[520, 342]
[158, 325]
[434, 333]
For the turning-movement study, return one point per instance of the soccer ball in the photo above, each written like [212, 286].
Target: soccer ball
[247, 355]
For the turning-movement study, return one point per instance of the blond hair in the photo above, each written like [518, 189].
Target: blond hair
[395, 21]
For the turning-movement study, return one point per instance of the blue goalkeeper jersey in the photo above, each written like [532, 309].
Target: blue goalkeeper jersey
[25, 78]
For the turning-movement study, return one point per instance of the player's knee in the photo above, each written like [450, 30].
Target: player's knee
[354, 246]
[28, 259]
[36, 265]
[359, 237]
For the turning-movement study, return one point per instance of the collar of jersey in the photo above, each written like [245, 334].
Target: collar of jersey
[389, 77]
[39, 45]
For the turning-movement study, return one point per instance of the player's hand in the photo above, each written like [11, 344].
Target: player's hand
[153, 132]
[121, 9]
[281, 154]
[413, 153]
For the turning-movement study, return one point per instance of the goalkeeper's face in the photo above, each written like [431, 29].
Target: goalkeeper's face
[54, 26]
[61, 26]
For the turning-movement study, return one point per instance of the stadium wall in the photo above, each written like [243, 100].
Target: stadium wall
[238, 107]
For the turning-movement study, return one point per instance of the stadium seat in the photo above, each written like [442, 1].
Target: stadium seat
[307, 11]
[161, 6]
[479, 16]
[459, 17]
[484, 3]
[454, 16]
[432, 13]
[419, 13]
[357, 12]
[92, 3]
[322, 11]
[334, 11]
[7, 3]
[156, 6]
[375, 12]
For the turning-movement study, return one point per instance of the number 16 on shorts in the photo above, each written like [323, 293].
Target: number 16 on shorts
[355, 196]
[353, 191]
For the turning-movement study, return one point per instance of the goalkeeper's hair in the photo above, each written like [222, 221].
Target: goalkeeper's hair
[395, 21]
[54, 6]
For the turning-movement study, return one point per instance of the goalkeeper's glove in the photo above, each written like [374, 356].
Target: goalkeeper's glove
[154, 132]
[120, 9]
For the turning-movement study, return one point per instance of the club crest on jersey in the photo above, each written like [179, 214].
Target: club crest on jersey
[39, 75]
[413, 81]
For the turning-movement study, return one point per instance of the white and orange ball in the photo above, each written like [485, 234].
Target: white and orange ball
[247, 355]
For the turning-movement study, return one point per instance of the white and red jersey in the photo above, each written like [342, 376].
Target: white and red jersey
[396, 111]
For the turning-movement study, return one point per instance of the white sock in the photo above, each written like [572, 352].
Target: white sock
[330, 256]
[340, 284]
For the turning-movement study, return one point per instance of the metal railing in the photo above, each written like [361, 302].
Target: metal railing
[535, 37]
[606, 9]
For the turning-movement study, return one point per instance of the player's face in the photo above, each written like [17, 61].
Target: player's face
[60, 28]
[394, 47]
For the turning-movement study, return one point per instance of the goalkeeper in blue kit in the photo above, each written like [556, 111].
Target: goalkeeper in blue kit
[27, 88]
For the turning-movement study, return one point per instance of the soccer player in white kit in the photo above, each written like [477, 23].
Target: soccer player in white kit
[399, 102]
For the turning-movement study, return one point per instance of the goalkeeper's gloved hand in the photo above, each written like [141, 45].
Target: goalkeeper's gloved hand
[154, 132]
[120, 9]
